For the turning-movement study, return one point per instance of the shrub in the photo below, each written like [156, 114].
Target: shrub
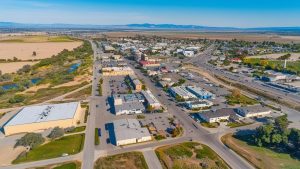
[56, 132]
[18, 98]
[30, 139]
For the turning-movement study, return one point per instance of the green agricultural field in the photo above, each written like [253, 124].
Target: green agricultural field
[189, 155]
[261, 157]
[72, 144]
[131, 160]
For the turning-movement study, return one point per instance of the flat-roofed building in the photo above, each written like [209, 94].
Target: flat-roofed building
[137, 85]
[42, 117]
[181, 92]
[200, 92]
[129, 131]
[198, 104]
[117, 71]
[151, 99]
[128, 104]
[253, 111]
[218, 115]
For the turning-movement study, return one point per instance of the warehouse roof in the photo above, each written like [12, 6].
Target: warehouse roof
[128, 129]
[44, 113]
[218, 113]
[254, 109]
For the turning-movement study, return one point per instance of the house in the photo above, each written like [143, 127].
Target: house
[253, 111]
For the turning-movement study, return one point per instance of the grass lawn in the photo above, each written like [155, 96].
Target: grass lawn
[210, 125]
[261, 157]
[67, 166]
[77, 129]
[189, 155]
[69, 144]
[236, 124]
[131, 160]
[242, 99]
[97, 141]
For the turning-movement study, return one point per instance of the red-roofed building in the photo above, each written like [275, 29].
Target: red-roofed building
[148, 63]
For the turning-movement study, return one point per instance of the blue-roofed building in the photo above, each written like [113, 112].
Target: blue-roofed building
[200, 93]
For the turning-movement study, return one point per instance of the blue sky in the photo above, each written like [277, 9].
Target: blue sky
[236, 13]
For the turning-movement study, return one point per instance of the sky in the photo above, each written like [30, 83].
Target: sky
[220, 13]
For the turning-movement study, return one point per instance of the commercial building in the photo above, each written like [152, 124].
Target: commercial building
[272, 76]
[199, 92]
[117, 71]
[137, 85]
[38, 118]
[144, 63]
[188, 53]
[151, 99]
[198, 104]
[181, 92]
[253, 111]
[129, 131]
[128, 104]
[218, 115]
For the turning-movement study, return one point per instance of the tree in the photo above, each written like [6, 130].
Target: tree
[281, 123]
[276, 138]
[56, 133]
[263, 134]
[18, 98]
[30, 139]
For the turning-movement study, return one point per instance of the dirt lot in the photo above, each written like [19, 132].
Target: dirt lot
[211, 35]
[24, 51]
[131, 160]
[294, 56]
[12, 67]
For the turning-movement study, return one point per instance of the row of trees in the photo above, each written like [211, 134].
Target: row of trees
[277, 136]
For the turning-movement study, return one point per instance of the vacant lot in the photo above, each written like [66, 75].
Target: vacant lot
[69, 144]
[261, 157]
[24, 51]
[294, 56]
[189, 155]
[131, 160]
[34, 38]
[12, 67]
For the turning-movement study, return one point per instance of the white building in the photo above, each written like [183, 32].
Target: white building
[129, 131]
[43, 117]
[181, 92]
[218, 115]
[188, 53]
[198, 104]
[128, 104]
[253, 111]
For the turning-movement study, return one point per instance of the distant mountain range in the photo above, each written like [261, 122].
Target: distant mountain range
[146, 26]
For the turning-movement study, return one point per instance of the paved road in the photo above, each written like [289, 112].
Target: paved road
[89, 145]
[151, 159]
